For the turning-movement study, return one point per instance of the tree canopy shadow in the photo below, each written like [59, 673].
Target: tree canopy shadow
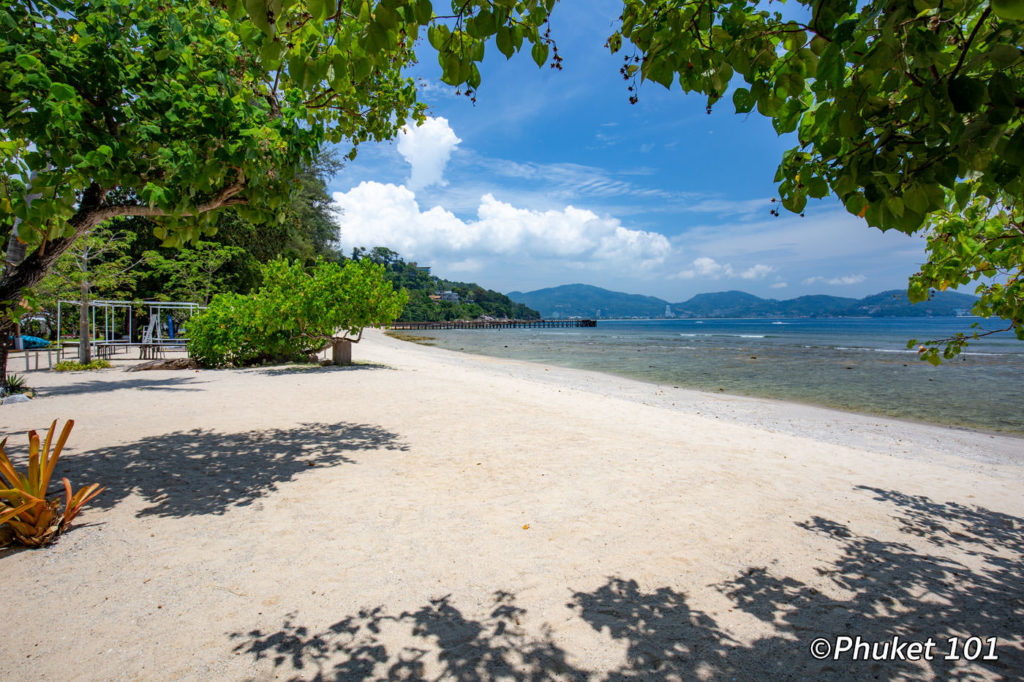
[102, 386]
[494, 647]
[293, 370]
[197, 472]
[895, 590]
[886, 589]
[950, 523]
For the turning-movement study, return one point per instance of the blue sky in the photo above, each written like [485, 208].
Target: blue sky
[552, 177]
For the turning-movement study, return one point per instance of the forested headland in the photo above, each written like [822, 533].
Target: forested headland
[434, 299]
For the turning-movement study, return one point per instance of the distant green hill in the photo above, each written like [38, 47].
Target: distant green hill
[433, 299]
[582, 300]
[818, 305]
[894, 303]
[724, 304]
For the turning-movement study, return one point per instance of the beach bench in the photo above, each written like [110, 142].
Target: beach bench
[151, 351]
[35, 352]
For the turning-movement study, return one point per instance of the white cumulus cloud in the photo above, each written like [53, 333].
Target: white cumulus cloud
[427, 149]
[709, 268]
[757, 272]
[376, 214]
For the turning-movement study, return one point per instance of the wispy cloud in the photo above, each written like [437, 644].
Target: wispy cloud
[728, 206]
[514, 222]
[571, 180]
[845, 280]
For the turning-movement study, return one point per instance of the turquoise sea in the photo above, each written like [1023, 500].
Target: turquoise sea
[859, 364]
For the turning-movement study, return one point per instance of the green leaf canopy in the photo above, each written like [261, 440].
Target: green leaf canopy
[910, 112]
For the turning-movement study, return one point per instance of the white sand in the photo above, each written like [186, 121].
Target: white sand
[441, 515]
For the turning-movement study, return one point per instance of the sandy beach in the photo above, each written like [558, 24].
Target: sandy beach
[430, 514]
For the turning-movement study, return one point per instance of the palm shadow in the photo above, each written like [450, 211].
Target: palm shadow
[883, 589]
[199, 472]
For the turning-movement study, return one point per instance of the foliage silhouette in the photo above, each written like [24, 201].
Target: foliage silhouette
[191, 473]
[293, 370]
[491, 648]
[888, 589]
[102, 386]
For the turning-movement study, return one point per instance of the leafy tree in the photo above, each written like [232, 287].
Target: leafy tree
[188, 107]
[99, 264]
[909, 112]
[307, 233]
[296, 313]
[191, 275]
[308, 227]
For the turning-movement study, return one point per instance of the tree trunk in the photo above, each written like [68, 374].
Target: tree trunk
[84, 336]
[341, 352]
[6, 328]
[18, 277]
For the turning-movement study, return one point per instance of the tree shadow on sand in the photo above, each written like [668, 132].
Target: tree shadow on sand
[191, 473]
[494, 647]
[101, 386]
[294, 370]
[888, 589]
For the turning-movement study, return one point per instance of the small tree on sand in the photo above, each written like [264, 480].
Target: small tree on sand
[296, 314]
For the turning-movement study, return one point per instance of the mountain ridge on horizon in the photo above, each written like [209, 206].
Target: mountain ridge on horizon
[585, 300]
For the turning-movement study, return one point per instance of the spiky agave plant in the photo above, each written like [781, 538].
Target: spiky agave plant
[16, 384]
[34, 520]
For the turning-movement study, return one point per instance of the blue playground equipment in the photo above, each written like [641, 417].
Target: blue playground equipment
[33, 342]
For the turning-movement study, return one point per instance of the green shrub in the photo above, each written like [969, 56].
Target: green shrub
[74, 366]
[16, 384]
[295, 313]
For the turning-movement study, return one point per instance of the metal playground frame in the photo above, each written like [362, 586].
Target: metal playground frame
[153, 339]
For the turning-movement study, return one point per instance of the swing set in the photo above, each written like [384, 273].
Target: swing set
[113, 330]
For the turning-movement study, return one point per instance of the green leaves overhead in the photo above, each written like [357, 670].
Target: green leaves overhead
[175, 102]
[366, 34]
[909, 112]
[193, 108]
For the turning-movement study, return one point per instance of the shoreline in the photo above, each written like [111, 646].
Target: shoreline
[430, 513]
[774, 413]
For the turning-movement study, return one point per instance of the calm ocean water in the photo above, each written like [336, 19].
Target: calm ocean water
[852, 364]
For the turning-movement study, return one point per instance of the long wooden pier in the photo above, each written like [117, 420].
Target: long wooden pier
[492, 324]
